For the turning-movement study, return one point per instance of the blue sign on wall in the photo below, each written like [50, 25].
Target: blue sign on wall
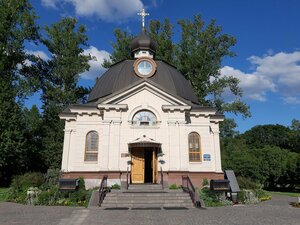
[206, 157]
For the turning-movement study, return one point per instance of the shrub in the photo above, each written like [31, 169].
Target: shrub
[212, 199]
[52, 176]
[81, 183]
[262, 195]
[23, 182]
[173, 187]
[205, 182]
[246, 183]
[49, 196]
[115, 186]
[247, 197]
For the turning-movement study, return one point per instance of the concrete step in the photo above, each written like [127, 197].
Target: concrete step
[145, 197]
[146, 200]
[145, 187]
[149, 205]
[149, 194]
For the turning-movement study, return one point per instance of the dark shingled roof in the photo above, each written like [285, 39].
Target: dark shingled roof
[122, 75]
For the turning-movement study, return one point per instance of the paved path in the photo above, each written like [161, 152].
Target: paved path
[277, 211]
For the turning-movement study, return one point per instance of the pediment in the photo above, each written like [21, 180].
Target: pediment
[122, 95]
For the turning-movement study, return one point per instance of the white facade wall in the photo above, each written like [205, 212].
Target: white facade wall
[116, 131]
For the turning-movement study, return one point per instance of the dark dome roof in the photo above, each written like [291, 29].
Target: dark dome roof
[143, 42]
[122, 75]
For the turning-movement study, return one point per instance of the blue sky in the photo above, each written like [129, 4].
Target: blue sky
[268, 44]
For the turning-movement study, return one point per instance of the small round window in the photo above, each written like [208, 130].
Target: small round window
[144, 118]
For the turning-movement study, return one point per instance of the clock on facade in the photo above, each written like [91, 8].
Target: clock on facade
[144, 67]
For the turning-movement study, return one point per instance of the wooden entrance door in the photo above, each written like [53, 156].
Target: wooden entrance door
[138, 166]
[154, 166]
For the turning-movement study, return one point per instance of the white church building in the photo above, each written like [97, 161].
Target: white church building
[142, 118]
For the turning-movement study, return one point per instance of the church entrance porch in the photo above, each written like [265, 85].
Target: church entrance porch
[144, 165]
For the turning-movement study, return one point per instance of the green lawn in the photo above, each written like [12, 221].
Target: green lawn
[3, 193]
[291, 194]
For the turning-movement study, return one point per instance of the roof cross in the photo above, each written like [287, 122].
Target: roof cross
[143, 14]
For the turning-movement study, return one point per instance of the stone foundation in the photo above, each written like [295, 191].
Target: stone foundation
[93, 179]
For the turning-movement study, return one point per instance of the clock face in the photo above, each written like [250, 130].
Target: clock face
[145, 67]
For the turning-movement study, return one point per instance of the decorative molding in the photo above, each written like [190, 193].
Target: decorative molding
[172, 108]
[111, 107]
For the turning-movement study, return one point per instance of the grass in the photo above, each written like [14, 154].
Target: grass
[3, 194]
[291, 194]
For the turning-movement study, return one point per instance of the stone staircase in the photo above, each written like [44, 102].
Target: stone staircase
[150, 196]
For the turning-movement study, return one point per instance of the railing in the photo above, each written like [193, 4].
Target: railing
[127, 178]
[103, 189]
[161, 177]
[188, 186]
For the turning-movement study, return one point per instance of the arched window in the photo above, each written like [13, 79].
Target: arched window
[91, 146]
[144, 118]
[194, 147]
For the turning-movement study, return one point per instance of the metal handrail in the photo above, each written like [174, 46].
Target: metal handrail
[103, 189]
[188, 186]
[161, 177]
[127, 178]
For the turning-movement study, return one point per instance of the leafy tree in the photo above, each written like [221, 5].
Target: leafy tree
[227, 128]
[200, 53]
[295, 126]
[58, 81]
[33, 134]
[197, 55]
[17, 25]
[121, 48]
[273, 135]
[162, 34]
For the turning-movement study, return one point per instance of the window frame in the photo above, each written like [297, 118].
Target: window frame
[144, 124]
[93, 152]
[192, 149]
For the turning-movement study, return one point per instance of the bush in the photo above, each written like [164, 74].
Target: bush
[116, 186]
[213, 199]
[49, 196]
[205, 182]
[173, 187]
[247, 197]
[262, 195]
[23, 182]
[246, 183]
[52, 176]
[81, 183]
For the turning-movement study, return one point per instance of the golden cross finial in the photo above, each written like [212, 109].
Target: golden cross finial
[143, 14]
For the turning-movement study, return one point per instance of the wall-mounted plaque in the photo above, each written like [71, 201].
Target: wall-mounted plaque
[206, 157]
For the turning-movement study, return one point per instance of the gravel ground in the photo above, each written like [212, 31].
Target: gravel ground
[273, 212]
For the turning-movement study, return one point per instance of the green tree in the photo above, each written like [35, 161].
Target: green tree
[121, 48]
[227, 128]
[273, 135]
[17, 25]
[198, 56]
[64, 41]
[33, 134]
[200, 53]
[162, 34]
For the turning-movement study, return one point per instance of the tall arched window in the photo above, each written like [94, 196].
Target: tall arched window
[194, 147]
[91, 146]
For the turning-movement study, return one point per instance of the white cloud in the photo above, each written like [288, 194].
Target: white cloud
[38, 53]
[96, 68]
[109, 10]
[50, 3]
[254, 87]
[272, 73]
[292, 100]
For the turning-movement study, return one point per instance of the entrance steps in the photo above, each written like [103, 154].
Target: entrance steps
[147, 196]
